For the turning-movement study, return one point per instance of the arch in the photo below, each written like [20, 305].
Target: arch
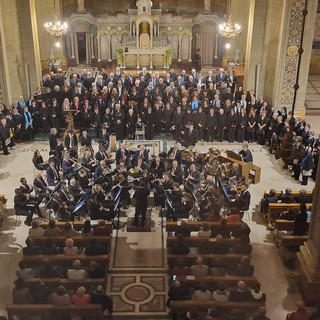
[164, 39]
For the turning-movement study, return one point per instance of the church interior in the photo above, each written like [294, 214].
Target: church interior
[271, 56]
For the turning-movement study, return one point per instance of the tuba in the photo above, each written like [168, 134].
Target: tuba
[188, 154]
[212, 164]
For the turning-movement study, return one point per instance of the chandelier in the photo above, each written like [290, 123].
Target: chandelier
[56, 28]
[228, 30]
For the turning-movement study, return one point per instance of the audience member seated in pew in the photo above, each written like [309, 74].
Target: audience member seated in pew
[290, 214]
[35, 230]
[101, 229]
[223, 229]
[81, 297]
[219, 247]
[257, 294]
[303, 197]
[52, 230]
[30, 249]
[260, 315]
[40, 293]
[95, 272]
[214, 216]
[270, 198]
[99, 297]
[221, 294]
[218, 268]
[68, 231]
[244, 229]
[244, 247]
[70, 249]
[244, 269]
[60, 297]
[87, 229]
[76, 273]
[182, 229]
[300, 314]
[94, 249]
[20, 293]
[205, 230]
[241, 293]
[48, 271]
[286, 196]
[300, 226]
[233, 216]
[49, 249]
[180, 247]
[24, 272]
[176, 292]
[199, 269]
[202, 293]
[180, 268]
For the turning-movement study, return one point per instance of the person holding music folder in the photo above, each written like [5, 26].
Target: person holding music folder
[176, 172]
[184, 210]
[123, 154]
[246, 153]
[141, 194]
[88, 161]
[53, 176]
[101, 154]
[5, 135]
[174, 153]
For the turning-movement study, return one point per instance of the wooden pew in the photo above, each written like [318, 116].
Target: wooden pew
[292, 241]
[79, 241]
[294, 193]
[201, 242]
[208, 259]
[31, 310]
[77, 225]
[172, 226]
[281, 207]
[285, 225]
[68, 284]
[65, 260]
[185, 305]
[229, 281]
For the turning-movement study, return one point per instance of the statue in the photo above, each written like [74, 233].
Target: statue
[80, 8]
[133, 4]
[237, 55]
[207, 5]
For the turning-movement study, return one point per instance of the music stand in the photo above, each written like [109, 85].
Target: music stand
[117, 202]
[79, 205]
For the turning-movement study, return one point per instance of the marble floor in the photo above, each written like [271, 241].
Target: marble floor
[137, 279]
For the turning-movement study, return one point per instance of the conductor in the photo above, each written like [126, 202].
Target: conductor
[141, 194]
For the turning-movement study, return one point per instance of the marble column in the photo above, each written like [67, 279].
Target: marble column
[72, 45]
[109, 47]
[99, 47]
[92, 46]
[190, 49]
[151, 61]
[138, 61]
[179, 48]
[309, 255]
[87, 48]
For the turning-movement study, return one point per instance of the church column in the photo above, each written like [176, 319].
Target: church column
[138, 61]
[179, 48]
[190, 49]
[72, 45]
[92, 46]
[309, 255]
[99, 47]
[164, 61]
[109, 47]
[151, 61]
[216, 46]
[87, 48]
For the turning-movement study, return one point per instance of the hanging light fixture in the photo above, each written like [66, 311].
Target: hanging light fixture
[56, 28]
[227, 29]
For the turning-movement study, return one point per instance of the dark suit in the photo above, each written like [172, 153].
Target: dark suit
[52, 176]
[120, 154]
[191, 139]
[177, 156]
